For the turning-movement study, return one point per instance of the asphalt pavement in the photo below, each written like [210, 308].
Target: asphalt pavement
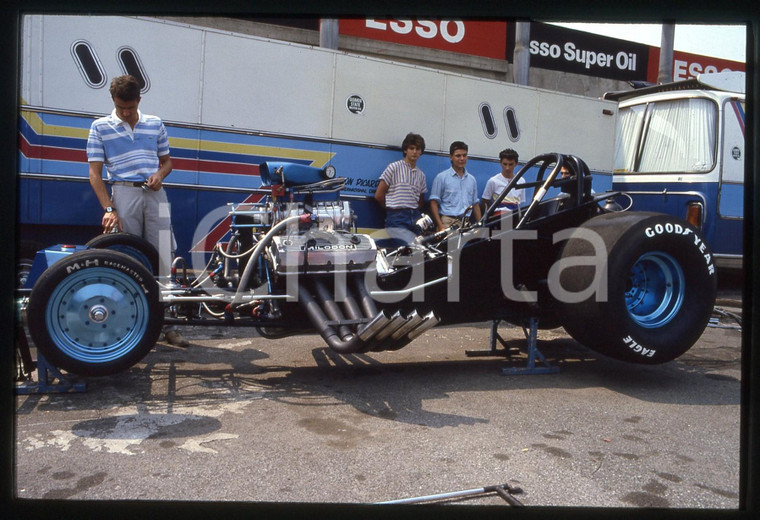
[238, 418]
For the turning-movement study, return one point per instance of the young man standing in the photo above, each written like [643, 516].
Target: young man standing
[134, 147]
[454, 190]
[401, 191]
[497, 183]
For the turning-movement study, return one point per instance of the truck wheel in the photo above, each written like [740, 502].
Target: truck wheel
[661, 286]
[23, 268]
[95, 312]
[132, 245]
[26, 251]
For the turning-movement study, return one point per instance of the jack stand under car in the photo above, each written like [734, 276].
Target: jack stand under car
[47, 374]
[531, 336]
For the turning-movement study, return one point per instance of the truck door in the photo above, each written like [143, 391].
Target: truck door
[731, 194]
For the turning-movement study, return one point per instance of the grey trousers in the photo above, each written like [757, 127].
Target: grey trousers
[146, 213]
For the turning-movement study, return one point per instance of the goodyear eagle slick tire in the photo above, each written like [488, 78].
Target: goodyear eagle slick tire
[661, 286]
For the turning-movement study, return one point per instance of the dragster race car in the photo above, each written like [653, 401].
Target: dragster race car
[639, 287]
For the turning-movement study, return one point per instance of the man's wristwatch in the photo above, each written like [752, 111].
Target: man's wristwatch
[110, 209]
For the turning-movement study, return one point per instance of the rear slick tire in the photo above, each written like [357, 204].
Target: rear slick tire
[661, 286]
[132, 245]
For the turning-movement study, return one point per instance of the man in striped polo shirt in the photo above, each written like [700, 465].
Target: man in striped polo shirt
[135, 150]
[401, 191]
[134, 147]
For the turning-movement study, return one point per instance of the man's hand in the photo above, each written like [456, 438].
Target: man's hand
[111, 222]
[154, 182]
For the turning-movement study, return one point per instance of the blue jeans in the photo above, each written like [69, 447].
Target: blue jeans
[401, 224]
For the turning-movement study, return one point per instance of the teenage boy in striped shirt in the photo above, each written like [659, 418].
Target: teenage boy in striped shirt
[401, 191]
[134, 147]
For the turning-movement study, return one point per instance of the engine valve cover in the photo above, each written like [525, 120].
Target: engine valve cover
[322, 252]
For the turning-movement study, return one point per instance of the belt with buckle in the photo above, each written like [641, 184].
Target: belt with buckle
[134, 184]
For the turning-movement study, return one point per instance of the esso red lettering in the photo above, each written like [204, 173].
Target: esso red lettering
[684, 70]
[695, 69]
[452, 31]
[458, 34]
[679, 70]
[402, 26]
[369, 23]
[426, 29]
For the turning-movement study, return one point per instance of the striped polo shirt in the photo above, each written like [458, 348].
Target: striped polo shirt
[405, 185]
[128, 155]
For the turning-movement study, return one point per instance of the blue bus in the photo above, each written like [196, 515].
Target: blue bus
[679, 150]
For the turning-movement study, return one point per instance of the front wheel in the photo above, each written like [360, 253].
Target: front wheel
[95, 312]
[660, 287]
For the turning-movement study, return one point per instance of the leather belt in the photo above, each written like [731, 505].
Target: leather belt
[134, 184]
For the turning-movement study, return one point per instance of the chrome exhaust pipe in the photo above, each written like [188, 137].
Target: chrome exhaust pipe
[397, 320]
[372, 328]
[412, 321]
[429, 321]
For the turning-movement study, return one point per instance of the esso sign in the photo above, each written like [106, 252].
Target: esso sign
[484, 38]
[452, 31]
[684, 70]
[688, 66]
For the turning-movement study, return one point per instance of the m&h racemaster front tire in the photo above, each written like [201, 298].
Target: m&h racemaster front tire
[661, 286]
[95, 312]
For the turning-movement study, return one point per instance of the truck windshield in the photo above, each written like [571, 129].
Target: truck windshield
[667, 136]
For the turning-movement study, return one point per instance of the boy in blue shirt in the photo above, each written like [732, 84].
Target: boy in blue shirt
[454, 190]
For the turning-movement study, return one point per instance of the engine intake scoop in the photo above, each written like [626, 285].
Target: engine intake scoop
[292, 174]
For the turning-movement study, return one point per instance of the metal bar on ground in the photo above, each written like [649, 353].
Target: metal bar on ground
[503, 491]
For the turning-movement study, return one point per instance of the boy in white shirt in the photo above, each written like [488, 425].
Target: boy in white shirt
[497, 183]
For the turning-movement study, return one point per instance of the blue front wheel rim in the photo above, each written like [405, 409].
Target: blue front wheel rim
[97, 315]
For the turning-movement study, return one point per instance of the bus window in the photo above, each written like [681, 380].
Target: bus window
[630, 120]
[487, 120]
[510, 119]
[679, 136]
[130, 64]
[88, 63]
[733, 141]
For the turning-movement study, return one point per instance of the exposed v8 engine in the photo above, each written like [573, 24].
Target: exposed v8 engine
[635, 286]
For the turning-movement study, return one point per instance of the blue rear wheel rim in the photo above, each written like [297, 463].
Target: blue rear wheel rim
[655, 290]
[97, 315]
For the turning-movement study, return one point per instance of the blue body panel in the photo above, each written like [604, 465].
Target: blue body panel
[722, 230]
[47, 257]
